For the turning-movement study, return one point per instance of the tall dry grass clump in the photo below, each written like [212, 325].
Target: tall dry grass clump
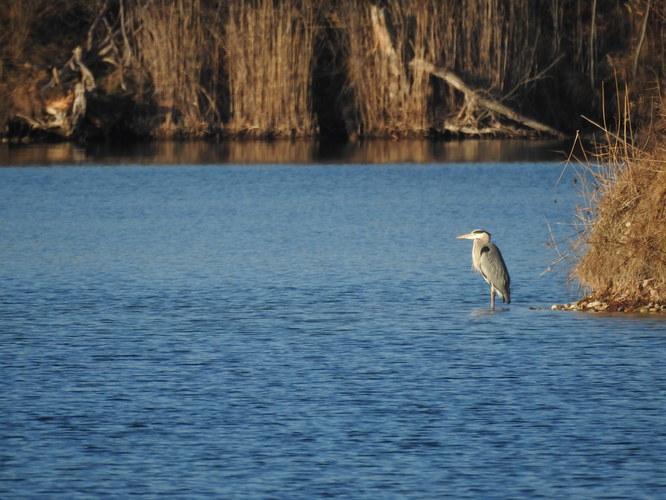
[389, 98]
[625, 231]
[269, 61]
[181, 59]
[492, 44]
[34, 31]
[494, 41]
[17, 20]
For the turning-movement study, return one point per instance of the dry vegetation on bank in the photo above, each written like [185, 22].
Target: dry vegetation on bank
[623, 243]
[292, 68]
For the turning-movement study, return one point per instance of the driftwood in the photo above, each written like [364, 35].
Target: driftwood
[396, 74]
[59, 105]
[485, 102]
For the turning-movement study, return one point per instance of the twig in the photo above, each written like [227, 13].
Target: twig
[536, 77]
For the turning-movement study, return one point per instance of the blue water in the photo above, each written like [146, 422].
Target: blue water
[287, 332]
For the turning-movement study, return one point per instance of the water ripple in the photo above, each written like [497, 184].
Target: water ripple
[282, 332]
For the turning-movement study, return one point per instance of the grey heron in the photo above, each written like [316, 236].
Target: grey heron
[487, 259]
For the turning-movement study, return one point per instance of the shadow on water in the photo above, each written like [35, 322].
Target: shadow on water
[488, 312]
[292, 152]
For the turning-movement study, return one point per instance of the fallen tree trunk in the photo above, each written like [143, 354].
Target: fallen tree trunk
[491, 105]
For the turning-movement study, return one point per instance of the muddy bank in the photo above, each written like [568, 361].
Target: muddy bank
[590, 305]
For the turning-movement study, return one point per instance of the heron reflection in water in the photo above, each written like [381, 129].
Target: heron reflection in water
[487, 259]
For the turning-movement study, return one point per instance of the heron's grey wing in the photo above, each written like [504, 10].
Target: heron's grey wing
[494, 271]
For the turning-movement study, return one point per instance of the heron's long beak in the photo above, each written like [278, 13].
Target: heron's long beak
[469, 236]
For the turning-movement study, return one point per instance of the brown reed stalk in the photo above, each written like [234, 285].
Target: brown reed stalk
[269, 60]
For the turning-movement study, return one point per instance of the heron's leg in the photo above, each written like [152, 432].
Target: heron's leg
[492, 298]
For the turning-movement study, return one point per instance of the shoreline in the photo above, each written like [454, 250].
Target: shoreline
[597, 306]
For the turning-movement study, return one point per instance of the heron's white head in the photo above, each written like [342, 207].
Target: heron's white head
[477, 234]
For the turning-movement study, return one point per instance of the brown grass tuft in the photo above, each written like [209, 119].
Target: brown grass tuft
[389, 98]
[180, 58]
[625, 232]
[269, 60]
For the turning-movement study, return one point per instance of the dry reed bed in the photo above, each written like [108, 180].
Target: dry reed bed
[246, 67]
